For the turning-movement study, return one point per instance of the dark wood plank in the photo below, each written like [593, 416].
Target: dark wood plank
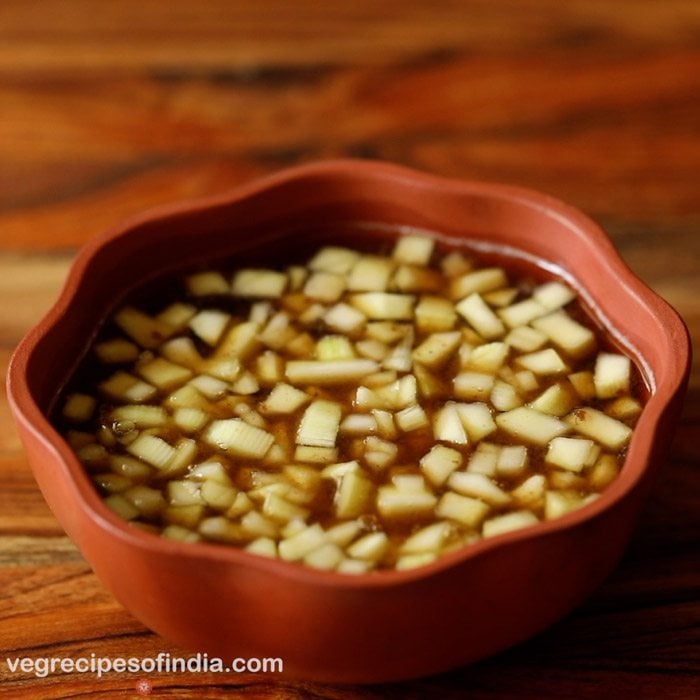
[61, 36]
[497, 118]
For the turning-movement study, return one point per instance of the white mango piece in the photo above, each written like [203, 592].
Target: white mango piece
[437, 349]
[209, 283]
[473, 385]
[266, 284]
[283, 400]
[299, 545]
[543, 362]
[568, 335]
[592, 423]
[413, 250]
[439, 463]
[334, 259]
[209, 325]
[435, 314]
[553, 295]
[384, 305]
[370, 274]
[371, 547]
[569, 453]
[353, 495]
[447, 425]
[612, 375]
[529, 425]
[479, 281]
[478, 486]
[522, 313]
[319, 425]
[480, 317]
[239, 438]
[427, 539]
[330, 372]
[476, 419]
[508, 522]
[465, 510]
[394, 503]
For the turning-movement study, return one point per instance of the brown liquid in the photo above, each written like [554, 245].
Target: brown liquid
[157, 294]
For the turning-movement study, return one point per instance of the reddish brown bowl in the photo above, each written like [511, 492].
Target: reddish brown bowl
[327, 626]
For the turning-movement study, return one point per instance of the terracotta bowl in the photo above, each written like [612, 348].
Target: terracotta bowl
[327, 626]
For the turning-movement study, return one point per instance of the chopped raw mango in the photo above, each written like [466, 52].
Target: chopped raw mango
[360, 411]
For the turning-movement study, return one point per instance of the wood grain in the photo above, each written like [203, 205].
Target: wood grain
[106, 113]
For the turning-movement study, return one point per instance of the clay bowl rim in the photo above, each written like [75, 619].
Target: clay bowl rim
[32, 418]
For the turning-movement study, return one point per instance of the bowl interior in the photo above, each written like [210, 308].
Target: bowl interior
[343, 201]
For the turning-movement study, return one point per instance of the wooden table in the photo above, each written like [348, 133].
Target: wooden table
[110, 108]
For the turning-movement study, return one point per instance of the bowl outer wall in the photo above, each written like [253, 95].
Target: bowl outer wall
[466, 606]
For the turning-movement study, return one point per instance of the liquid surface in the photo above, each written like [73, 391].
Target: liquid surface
[361, 410]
